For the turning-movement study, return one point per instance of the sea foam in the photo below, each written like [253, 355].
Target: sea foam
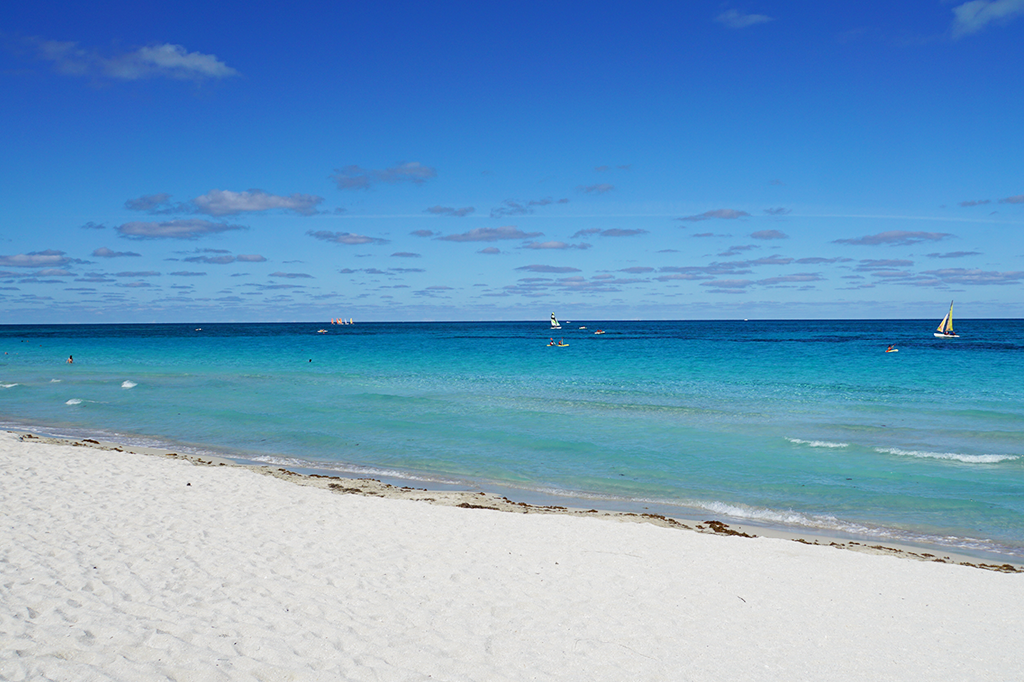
[817, 443]
[128, 384]
[74, 401]
[956, 456]
[8, 385]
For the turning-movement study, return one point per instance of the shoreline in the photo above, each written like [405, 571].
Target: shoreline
[467, 499]
[142, 564]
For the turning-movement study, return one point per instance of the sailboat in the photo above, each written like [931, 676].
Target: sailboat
[554, 322]
[945, 330]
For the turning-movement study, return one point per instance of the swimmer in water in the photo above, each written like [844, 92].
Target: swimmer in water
[70, 359]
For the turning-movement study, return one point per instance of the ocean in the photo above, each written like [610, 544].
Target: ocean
[803, 425]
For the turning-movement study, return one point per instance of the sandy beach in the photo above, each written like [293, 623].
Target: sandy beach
[124, 565]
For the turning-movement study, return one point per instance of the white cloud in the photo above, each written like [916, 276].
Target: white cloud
[895, 238]
[354, 177]
[954, 254]
[148, 202]
[211, 260]
[600, 188]
[973, 16]
[555, 245]
[978, 277]
[736, 19]
[451, 211]
[218, 202]
[176, 62]
[345, 237]
[155, 61]
[491, 234]
[173, 229]
[37, 259]
[104, 252]
[610, 232]
[511, 207]
[723, 213]
[769, 234]
[548, 268]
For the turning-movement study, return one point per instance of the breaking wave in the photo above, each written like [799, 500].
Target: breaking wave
[956, 456]
[817, 443]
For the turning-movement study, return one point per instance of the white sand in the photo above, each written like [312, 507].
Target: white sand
[113, 567]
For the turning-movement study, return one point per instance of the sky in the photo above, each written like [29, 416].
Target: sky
[408, 161]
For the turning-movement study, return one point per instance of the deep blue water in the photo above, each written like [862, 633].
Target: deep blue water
[789, 423]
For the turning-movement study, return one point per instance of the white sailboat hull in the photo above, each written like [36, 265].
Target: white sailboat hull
[946, 336]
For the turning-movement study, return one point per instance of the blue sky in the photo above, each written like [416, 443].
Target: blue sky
[474, 161]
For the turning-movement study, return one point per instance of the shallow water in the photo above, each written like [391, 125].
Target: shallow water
[794, 423]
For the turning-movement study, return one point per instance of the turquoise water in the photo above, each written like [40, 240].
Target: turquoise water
[805, 424]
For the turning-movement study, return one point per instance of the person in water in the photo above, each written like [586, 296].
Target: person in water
[70, 359]
[889, 348]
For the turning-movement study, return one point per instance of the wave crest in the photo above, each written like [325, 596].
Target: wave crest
[955, 456]
[817, 443]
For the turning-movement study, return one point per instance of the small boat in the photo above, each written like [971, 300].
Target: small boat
[892, 349]
[599, 331]
[554, 322]
[321, 331]
[562, 343]
[945, 330]
[582, 327]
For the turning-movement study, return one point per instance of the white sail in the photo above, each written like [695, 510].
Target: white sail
[554, 322]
